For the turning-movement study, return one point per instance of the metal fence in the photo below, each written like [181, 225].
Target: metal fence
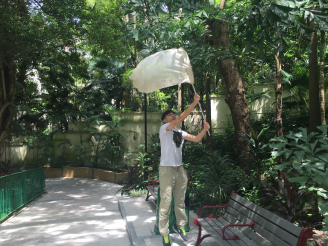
[18, 189]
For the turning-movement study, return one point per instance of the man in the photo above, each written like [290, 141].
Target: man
[172, 175]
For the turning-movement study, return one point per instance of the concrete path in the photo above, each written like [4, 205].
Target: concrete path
[73, 212]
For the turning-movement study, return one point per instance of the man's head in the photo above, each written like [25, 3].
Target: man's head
[168, 116]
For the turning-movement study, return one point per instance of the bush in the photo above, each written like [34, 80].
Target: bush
[306, 163]
[215, 177]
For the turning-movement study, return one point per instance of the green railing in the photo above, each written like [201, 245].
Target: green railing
[18, 189]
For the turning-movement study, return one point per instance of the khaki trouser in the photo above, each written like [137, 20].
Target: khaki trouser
[172, 179]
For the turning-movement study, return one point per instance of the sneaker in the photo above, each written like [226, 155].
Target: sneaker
[181, 232]
[168, 243]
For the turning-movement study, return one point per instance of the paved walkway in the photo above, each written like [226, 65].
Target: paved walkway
[88, 212]
[73, 212]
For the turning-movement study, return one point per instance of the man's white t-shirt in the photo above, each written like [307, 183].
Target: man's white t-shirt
[171, 146]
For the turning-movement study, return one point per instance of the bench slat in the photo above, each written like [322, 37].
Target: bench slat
[247, 231]
[262, 231]
[228, 232]
[221, 222]
[215, 234]
[275, 219]
[267, 224]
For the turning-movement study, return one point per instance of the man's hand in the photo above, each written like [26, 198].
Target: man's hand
[200, 135]
[196, 98]
[206, 126]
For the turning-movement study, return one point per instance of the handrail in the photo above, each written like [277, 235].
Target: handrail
[17, 189]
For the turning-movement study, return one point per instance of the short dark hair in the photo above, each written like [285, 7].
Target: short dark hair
[166, 113]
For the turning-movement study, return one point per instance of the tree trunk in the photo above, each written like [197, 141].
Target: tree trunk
[314, 102]
[322, 77]
[209, 142]
[7, 95]
[236, 97]
[278, 95]
[208, 41]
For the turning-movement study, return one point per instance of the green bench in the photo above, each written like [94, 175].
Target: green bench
[246, 224]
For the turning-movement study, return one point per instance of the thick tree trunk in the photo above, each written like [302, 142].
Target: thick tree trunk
[314, 102]
[322, 78]
[209, 142]
[236, 97]
[7, 96]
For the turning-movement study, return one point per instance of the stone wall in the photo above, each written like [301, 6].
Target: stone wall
[84, 172]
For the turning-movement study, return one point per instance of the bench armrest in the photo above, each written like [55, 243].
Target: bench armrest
[225, 206]
[211, 216]
[235, 237]
[153, 185]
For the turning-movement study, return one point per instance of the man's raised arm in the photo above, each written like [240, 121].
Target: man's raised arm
[184, 114]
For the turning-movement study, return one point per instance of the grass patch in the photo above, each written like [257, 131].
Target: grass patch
[137, 192]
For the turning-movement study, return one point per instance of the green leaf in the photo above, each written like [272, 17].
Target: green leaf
[321, 178]
[305, 147]
[319, 165]
[311, 135]
[128, 11]
[273, 17]
[277, 41]
[297, 166]
[187, 24]
[321, 3]
[281, 166]
[260, 42]
[325, 220]
[145, 25]
[323, 156]
[324, 142]
[277, 146]
[279, 139]
[280, 48]
[284, 9]
[288, 152]
[299, 155]
[323, 128]
[196, 22]
[301, 180]
[324, 208]
[276, 153]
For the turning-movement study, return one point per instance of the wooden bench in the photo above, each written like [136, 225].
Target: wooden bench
[246, 224]
[152, 190]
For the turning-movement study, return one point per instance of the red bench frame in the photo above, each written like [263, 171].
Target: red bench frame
[306, 232]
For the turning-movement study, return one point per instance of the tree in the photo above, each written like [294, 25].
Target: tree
[236, 95]
[322, 79]
[314, 102]
[35, 26]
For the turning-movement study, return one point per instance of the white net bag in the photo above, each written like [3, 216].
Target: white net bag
[163, 69]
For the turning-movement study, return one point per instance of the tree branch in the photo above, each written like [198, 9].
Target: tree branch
[4, 107]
